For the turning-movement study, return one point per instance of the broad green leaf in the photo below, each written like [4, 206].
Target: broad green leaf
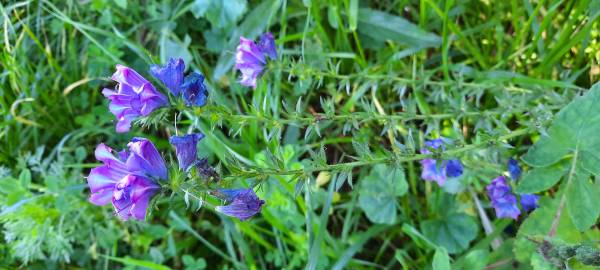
[540, 179]
[590, 162]
[582, 202]
[576, 126]
[441, 260]
[476, 260]
[220, 13]
[454, 232]
[378, 193]
[384, 26]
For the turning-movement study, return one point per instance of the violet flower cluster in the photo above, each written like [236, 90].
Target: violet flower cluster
[251, 58]
[502, 198]
[439, 171]
[131, 178]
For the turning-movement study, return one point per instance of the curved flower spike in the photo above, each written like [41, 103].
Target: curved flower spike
[135, 97]
[186, 149]
[243, 203]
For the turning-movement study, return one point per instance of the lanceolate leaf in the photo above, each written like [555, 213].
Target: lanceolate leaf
[384, 26]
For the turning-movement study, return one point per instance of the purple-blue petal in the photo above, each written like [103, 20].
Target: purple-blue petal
[144, 159]
[529, 202]
[506, 207]
[186, 149]
[266, 43]
[432, 172]
[126, 180]
[170, 74]
[134, 97]
[513, 169]
[194, 90]
[244, 204]
[503, 201]
[454, 168]
[250, 61]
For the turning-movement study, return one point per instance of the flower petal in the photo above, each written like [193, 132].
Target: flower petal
[170, 74]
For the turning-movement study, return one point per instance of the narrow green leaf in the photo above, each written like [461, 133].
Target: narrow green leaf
[138, 263]
[353, 15]
[384, 26]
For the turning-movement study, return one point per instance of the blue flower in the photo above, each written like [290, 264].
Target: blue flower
[513, 169]
[191, 87]
[170, 74]
[503, 201]
[432, 171]
[529, 202]
[243, 203]
[186, 149]
[194, 91]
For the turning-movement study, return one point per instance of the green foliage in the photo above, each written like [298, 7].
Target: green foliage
[329, 138]
[572, 133]
[378, 192]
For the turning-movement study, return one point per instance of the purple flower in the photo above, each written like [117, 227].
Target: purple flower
[243, 203]
[186, 149]
[250, 57]
[513, 169]
[194, 91]
[266, 43]
[503, 201]
[135, 96]
[130, 180]
[170, 74]
[432, 171]
[192, 86]
[529, 202]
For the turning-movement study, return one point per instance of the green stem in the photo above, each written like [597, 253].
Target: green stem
[262, 172]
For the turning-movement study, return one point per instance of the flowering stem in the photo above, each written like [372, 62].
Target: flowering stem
[515, 80]
[262, 172]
